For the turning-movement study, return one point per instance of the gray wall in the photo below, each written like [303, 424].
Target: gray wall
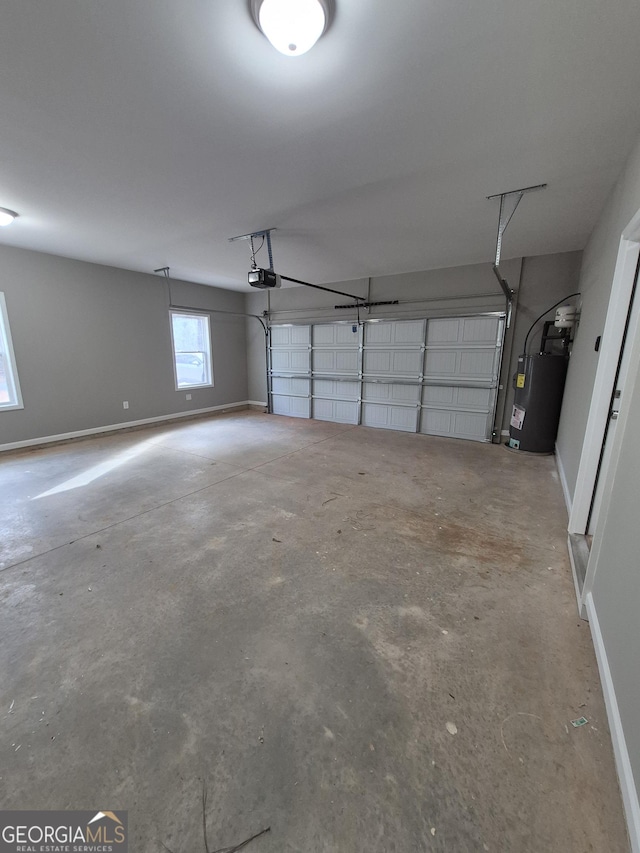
[598, 266]
[87, 337]
[616, 588]
[539, 281]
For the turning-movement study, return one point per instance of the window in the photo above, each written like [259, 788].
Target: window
[191, 338]
[10, 396]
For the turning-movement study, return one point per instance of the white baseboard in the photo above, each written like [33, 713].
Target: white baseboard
[82, 433]
[563, 480]
[256, 403]
[623, 764]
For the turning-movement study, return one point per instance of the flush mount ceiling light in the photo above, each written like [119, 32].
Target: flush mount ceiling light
[7, 216]
[292, 26]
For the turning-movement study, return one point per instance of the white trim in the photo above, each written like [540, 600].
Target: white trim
[621, 754]
[563, 481]
[195, 313]
[617, 310]
[256, 403]
[81, 433]
[12, 377]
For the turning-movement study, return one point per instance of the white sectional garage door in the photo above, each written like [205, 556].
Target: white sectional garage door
[438, 376]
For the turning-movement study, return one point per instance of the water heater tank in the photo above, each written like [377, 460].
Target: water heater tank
[539, 385]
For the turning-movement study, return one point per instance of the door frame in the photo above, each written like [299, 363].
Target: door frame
[612, 336]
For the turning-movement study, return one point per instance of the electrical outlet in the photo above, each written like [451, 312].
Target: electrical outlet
[188, 396]
[125, 404]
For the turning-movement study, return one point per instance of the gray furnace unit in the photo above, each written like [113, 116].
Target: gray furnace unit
[539, 385]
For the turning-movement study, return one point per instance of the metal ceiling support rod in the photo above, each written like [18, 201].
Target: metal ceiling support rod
[165, 272]
[360, 299]
[219, 311]
[266, 234]
[509, 202]
[265, 328]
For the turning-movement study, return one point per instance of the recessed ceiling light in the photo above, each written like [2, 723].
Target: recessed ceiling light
[292, 26]
[7, 216]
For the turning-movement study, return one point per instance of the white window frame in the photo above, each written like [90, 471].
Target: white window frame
[178, 313]
[15, 394]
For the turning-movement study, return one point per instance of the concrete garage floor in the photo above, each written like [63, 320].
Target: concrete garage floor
[302, 614]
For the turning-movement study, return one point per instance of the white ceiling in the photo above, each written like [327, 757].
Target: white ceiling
[144, 133]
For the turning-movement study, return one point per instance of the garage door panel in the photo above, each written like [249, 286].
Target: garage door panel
[469, 399]
[294, 407]
[475, 398]
[338, 411]
[291, 361]
[477, 364]
[335, 361]
[290, 336]
[454, 424]
[441, 363]
[463, 331]
[446, 331]
[457, 412]
[335, 390]
[405, 363]
[480, 330]
[391, 393]
[395, 333]
[390, 417]
[436, 422]
[471, 426]
[288, 386]
[335, 335]
[439, 395]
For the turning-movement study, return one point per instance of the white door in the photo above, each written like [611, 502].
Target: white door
[630, 330]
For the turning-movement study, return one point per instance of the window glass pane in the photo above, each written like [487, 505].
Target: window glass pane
[191, 349]
[9, 388]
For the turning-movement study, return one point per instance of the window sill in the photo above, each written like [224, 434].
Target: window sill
[193, 387]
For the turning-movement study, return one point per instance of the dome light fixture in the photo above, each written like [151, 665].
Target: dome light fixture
[7, 216]
[292, 26]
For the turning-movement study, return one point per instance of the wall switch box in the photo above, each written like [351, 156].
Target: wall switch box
[188, 396]
[125, 404]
